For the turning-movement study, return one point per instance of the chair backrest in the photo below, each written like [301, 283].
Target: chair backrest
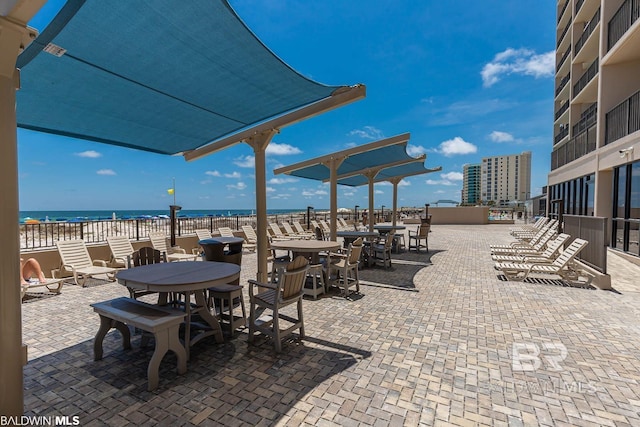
[355, 248]
[423, 230]
[292, 278]
[75, 253]
[544, 239]
[343, 222]
[299, 227]
[250, 234]
[276, 230]
[120, 247]
[555, 245]
[288, 228]
[314, 224]
[540, 222]
[147, 255]
[319, 234]
[388, 241]
[325, 226]
[226, 232]
[159, 241]
[569, 253]
[203, 234]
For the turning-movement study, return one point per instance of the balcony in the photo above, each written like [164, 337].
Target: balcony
[564, 33]
[561, 135]
[587, 118]
[562, 84]
[561, 110]
[578, 146]
[564, 8]
[579, 4]
[623, 19]
[584, 80]
[624, 119]
[565, 55]
[588, 30]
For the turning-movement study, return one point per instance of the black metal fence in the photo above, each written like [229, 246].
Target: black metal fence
[623, 119]
[627, 14]
[45, 234]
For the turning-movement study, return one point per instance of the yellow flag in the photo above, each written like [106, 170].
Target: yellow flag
[170, 191]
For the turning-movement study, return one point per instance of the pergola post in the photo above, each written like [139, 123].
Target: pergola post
[395, 183]
[259, 144]
[12, 36]
[371, 176]
[333, 164]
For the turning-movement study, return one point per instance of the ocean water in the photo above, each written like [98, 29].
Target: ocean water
[127, 214]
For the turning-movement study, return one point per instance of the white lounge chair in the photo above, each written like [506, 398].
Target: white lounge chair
[546, 256]
[291, 233]
[159, 242]
[77, 262]
[562, 266]
[121, 251]
[277, 233]
[226, 232]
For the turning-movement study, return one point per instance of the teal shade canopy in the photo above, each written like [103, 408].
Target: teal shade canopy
[389, 174]
[165, 76]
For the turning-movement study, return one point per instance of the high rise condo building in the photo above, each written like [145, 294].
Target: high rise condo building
[471, 184]
[595, 160]
[506, 179]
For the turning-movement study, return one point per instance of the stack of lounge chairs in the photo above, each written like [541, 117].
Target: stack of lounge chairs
[538, 250]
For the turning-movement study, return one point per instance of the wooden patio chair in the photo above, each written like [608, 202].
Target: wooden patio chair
[419, 236]
[287, 290]
[381, 248]
[346, 267]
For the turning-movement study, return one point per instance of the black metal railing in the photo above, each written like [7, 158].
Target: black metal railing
[560, 135]
[563, 83]
[564, 8]
[594, 230]
[564, 107]
[588, 29]
[623, 119]
[575, 148]
[622, 20]
[587, 118]
[586, 77]
[564, 33]
[565, 55]
[45, 234]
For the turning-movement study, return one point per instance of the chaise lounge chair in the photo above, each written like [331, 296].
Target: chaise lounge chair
[121, 251]
[562, 266]
[159, 242]
[77, 262]
[546, 256]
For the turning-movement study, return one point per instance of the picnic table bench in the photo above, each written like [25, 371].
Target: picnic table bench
[162, 322]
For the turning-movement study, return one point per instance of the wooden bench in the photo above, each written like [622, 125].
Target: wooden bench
[163, 322]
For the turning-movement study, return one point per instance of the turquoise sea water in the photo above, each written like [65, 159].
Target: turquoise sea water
[127, 214]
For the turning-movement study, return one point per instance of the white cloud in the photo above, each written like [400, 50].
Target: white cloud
[452, 176]
[282, 149]
[270, 189]
[106, 172]
[245, 161]
[379, 192]
[276, 181]
[348, 193]
[235, 175]
[239, 186]
[309, 193]
[455, 146]
[368, 132]
[518, 61]
[206, 181]
[212, 173]
[415, 150]
[497, 136]
[404, 183]
[89, 154]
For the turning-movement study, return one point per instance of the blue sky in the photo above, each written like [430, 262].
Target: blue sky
[467, 79]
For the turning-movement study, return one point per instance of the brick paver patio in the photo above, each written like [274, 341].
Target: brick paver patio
[439, 339]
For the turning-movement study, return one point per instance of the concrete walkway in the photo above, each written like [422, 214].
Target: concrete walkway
[439, 339]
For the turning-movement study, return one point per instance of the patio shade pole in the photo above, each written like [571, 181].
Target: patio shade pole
[395, 183]
[259, 144]
[334, 164]
[370, 176]
[14, 35]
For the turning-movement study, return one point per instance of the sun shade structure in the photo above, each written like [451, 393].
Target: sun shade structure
[384, 160]
[165, 76]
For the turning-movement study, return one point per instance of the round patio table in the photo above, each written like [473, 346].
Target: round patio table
[313, 247]
[185, 277]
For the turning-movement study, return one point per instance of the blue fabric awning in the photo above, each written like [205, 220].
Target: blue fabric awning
[165, 76]
[386, 159]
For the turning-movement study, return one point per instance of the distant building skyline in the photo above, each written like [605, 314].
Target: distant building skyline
[506, 178]
[471, 184]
